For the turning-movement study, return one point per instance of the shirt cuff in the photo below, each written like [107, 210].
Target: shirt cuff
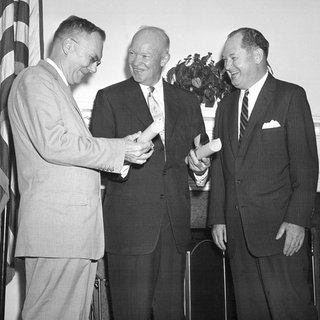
[124, 171]
[201, 180]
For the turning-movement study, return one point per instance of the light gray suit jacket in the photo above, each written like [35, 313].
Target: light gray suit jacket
[60, 212]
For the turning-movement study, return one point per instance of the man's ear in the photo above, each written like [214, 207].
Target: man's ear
[66, 45]
[258, 55]
[164, 60]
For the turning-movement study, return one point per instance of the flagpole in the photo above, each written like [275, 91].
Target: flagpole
[3, 260]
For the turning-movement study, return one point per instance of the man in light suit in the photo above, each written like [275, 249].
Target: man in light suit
[264, 184]
[147, 214]
[60, 228]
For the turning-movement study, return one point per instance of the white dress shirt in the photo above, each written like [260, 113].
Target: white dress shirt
[157, 94]
[252, 98]
[58, 70]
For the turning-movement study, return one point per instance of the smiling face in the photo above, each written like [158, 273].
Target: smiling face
[242, 64]
[84, 54]
[147, 57]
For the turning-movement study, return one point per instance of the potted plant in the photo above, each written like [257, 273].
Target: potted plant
[202, 76]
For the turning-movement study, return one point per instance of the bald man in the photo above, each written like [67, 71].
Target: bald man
[147, 213]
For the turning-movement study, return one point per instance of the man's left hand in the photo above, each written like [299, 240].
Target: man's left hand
[294, 237]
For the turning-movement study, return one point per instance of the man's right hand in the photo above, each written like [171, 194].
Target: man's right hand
[137, 152]
[219, 235]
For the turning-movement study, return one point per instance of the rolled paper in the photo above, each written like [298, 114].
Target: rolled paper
[154, 129]
[208, 149]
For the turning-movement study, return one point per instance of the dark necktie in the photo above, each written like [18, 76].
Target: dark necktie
[244, 115]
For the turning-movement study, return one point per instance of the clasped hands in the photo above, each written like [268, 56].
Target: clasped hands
[137, 152]
[198, 166]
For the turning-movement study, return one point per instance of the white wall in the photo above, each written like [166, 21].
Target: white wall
[200, 26]
[291, 27]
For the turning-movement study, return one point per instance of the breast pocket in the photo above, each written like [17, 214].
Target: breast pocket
[274, 144]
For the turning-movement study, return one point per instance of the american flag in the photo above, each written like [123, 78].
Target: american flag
[21, 45]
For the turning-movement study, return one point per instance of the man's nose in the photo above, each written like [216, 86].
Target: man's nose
[227, 64]
[93, 67]
[135, 60]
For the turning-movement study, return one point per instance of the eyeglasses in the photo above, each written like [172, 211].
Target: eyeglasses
[93, 59]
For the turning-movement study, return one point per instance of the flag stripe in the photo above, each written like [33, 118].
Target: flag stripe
[6, 43]
[4, 187]
[7, 16]
[36, 32]
[5, 89]
[22, 12]
[4, 4]
[21, 57]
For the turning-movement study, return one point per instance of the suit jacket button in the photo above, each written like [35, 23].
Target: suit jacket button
[238, 181]
[164, 172]
[161, 196]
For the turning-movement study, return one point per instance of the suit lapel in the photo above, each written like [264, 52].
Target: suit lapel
[137, 103]
[140, 110]
[171, 110]
[65, 89]
[259, 109]
[233, 127]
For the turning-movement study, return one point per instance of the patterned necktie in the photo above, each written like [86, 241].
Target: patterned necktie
[244, 115]
[155, 110]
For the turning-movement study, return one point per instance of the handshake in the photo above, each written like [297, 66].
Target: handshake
[139, 147]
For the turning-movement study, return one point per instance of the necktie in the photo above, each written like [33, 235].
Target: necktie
[244, 115]
[155, 110]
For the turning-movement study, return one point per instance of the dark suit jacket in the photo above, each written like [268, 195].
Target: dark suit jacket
[273, 176]
[133, 208]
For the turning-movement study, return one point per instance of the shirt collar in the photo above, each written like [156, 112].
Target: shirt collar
[255, 89]
[58, 70]
[158, 88]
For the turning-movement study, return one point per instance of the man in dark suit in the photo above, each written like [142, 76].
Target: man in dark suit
[147, 213]
[264, 184]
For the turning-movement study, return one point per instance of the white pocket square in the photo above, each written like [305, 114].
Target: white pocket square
[271, 124]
